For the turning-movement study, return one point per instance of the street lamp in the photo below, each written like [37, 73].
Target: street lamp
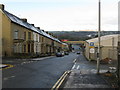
[99, 29]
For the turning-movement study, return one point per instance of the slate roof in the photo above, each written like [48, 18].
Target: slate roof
[19, 21]
[106, 37]
[104, 40]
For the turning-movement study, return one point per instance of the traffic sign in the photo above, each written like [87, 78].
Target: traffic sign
[91, 46]
[92, 50]
[91, 43]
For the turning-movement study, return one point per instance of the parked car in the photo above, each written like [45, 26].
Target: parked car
[78, 52]
[66, 53]
[59, 54]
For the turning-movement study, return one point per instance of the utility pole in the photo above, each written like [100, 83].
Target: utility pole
[112, 47]
[99, 29]
[118, 67]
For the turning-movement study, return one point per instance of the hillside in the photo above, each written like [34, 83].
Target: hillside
[79, 35]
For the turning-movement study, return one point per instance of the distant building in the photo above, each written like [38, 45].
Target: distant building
[109, 44]
[65, 47]
[64, 40]
[22, 38]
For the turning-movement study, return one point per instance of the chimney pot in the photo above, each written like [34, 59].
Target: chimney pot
[2, 6]
[43, 30]
[38, 27]
[47, 32]
[24, 19]
[50, 34]
[32, 24]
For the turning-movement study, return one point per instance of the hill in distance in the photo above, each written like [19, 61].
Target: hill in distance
[79, 35]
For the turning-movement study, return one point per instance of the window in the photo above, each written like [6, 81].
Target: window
[32, 47]
[24, 48]
[29, 35]
[17, 48]
[28, 48]
[36, 48]
[42, 39]
[16, 34]
[24, 35]
[38, 39]
[34, 36]
[14, 48]
[20, 48]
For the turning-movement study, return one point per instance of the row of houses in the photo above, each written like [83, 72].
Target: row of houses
[22, 38]
[108, 47]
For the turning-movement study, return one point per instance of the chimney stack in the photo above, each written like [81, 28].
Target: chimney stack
[24, 19]
[38, 27]
[32, 24]
[50, 34]
[47, 32]
[2, 7]
[43, 30]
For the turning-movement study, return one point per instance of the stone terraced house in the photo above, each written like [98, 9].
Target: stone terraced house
[22, 38]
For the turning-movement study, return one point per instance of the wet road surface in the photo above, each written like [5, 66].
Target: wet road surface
[38, 74]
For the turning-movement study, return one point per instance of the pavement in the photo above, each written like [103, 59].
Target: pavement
[83, 75]
[14, 61]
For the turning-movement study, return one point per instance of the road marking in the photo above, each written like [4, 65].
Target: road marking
[73, 67]
[74, 60]
[8, 66]
[78, 67]
[60, 81]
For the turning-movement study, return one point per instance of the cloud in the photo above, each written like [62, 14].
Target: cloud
[111, 21]
[44, 1]
[70, 15]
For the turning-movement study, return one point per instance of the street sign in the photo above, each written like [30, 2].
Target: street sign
[91, 43]
[92, 50]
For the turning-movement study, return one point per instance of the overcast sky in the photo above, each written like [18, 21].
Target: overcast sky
[65, 15]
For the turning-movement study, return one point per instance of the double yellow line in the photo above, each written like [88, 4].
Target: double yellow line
[60, 81]
[8, 66]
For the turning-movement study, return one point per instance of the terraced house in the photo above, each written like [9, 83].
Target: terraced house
[22, 38]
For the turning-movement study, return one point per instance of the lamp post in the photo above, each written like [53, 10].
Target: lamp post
[99, 29]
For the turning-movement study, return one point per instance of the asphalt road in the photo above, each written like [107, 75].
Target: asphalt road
[40, 74]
